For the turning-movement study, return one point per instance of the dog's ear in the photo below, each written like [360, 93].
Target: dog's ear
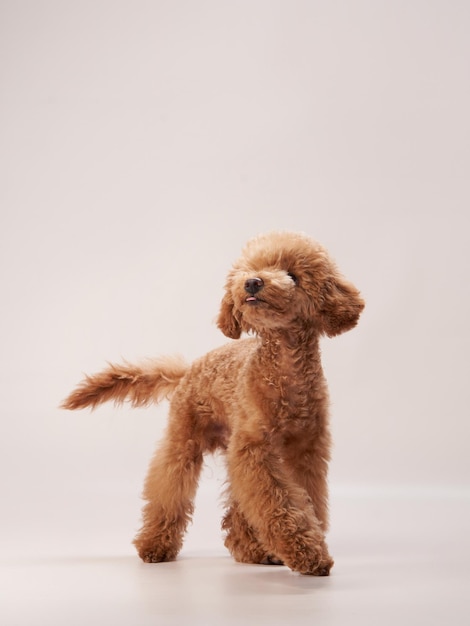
[341, 305]
[227, 322]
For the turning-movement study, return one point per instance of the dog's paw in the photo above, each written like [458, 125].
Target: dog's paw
[320, 567]
[271, 560]
[157, 556]
[311, 560]
[155, 551]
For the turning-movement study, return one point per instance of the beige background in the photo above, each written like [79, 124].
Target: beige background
[142, 143]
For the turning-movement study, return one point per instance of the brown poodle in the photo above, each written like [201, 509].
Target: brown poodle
[263, 401]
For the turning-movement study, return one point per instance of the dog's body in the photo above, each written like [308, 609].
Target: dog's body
[263, 401]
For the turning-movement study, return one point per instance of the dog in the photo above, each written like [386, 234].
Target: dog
[261, 400]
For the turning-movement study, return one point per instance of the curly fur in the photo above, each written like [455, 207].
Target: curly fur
[262, 400]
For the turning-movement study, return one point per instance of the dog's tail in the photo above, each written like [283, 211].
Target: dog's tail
[141, 385]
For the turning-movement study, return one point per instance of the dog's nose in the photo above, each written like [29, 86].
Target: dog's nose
[253, 285]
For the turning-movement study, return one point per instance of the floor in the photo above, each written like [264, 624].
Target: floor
[402, 557]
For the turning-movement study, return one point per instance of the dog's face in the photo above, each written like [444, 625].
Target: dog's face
[286, 280]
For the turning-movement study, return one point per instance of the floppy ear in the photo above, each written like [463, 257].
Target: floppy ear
[227, 322]
[340, 307]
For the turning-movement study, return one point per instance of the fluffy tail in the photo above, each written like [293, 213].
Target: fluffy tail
[141, 385]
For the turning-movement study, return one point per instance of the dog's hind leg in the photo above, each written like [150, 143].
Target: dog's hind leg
[170, 489]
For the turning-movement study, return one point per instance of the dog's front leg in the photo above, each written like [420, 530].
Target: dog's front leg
[242, 540]
[279, 510]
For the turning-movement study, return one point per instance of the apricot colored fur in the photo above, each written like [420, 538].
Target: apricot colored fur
[262, 401]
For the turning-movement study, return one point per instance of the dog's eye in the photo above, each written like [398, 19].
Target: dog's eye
[294, 277]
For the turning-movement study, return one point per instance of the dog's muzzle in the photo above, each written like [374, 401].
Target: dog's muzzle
[253, 286]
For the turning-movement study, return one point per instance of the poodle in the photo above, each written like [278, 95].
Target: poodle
[262, 401]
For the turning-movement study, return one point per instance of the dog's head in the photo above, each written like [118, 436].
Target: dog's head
[286, 280]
